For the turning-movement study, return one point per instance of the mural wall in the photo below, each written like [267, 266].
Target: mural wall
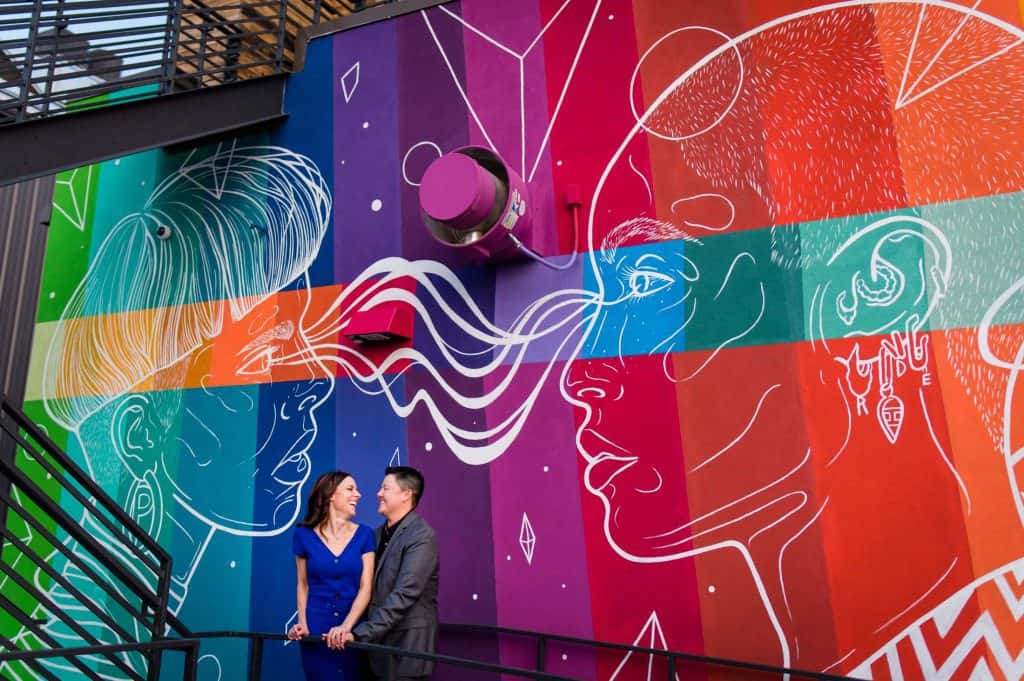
[769, 411]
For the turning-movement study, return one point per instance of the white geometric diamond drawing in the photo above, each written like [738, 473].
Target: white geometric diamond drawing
[396, 459]
[651, 636]
[527, 539]
[72, 196]
[349, 82]
[210, 174]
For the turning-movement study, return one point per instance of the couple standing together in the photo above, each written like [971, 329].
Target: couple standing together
[345, 570]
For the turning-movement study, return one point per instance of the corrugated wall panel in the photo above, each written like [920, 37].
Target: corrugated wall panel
[24, 217]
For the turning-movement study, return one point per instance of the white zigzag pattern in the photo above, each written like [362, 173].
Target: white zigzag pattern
[944, 617]
[984, 629]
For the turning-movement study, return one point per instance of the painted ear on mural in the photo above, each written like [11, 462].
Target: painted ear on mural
[885, 278]
[138, 434]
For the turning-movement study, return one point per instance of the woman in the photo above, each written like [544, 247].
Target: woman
[334, 567]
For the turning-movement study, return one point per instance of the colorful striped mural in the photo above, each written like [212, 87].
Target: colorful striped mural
[769, 411]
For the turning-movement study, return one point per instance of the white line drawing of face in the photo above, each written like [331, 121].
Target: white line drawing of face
[638, 495]
[243, 224]
[217, 238]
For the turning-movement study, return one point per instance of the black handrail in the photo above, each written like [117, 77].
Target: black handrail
[258, 638]
[672, 655]
[189, 646]
[156, 599]
[130, 546]
[255, 655]
[109, 505]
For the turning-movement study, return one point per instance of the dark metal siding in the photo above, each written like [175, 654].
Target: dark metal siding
[24, 218]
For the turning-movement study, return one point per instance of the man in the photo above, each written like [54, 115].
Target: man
[403, 607]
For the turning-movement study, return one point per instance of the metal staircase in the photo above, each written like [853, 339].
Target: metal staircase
[75, 568]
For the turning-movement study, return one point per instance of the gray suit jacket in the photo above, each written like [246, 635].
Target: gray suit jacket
[403, 607]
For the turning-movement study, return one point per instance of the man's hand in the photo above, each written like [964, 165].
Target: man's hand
[346, 638]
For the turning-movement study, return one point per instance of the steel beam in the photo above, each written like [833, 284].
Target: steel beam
[49, 145]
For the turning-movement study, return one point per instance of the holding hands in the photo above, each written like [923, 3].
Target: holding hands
[337, 637]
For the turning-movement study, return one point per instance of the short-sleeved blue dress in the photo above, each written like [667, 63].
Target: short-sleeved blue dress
[333, 585]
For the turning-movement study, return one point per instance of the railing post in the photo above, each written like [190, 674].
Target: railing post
[155, 658]
[171, 58]
[671, 667]
[542, 653]
[256, 659]
[30, 53]
[204, 35]
[282, 31]
[191, 662]
[51, 70]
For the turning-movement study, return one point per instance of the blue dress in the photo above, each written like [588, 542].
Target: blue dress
[333, 585]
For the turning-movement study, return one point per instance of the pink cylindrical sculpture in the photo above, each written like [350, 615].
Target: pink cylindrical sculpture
[470, 199]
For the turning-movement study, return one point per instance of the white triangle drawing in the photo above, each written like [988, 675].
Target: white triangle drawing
[217, 165]
[396, 459]
[650, 636]
[908, 94]
[78, 210]
[349, 82]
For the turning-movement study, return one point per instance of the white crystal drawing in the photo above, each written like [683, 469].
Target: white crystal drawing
[349, 82]
[527, 539]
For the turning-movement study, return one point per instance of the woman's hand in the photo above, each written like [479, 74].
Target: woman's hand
[335, 637]
[298, 631]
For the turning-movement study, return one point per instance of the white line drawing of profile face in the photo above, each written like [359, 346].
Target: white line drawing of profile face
[182, 294]
[706, 113]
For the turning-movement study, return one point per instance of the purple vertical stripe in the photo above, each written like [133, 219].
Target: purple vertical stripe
[367, 214]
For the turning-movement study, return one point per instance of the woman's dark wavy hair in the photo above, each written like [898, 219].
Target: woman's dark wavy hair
[319, 502]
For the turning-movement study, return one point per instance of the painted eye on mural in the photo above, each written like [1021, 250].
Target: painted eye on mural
[644, 283]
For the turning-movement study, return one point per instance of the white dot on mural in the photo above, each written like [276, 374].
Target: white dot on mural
[53, 294]
[343, 162]
[117, 162]
[475, 597]
[563, 586]
[558, 163]
[49, 477]
[353, 434]
[376, 205]
[232, 564]
[611, 17]
[142, 184]
[711, 589]
[428, 446]
[366, 124]
[546, 469]
[508, 557]
[564, 657]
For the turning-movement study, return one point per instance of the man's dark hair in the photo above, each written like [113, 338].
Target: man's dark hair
[408, 478]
